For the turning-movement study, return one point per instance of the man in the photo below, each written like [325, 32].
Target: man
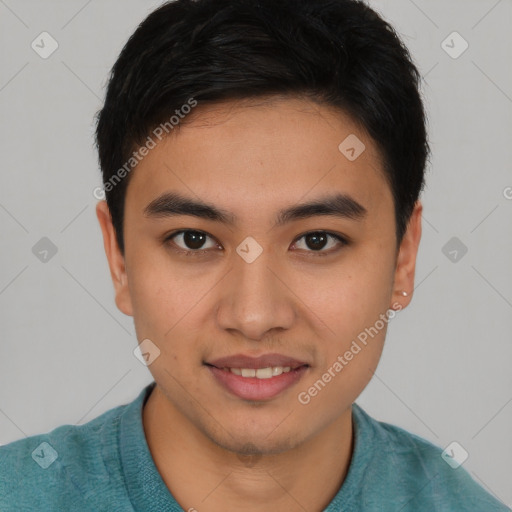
[262, 164]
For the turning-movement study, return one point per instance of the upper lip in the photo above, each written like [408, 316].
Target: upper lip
[263, 361]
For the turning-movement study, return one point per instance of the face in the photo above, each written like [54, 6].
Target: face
[256, 276]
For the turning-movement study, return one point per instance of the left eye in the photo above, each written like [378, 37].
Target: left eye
[318, 240]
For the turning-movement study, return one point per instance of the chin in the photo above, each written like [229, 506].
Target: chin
[243, 443]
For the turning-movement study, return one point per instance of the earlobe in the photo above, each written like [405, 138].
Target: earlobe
[406, 261]
[116, 260]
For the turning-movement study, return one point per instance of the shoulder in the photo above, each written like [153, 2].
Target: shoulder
[425, 476]
[52, 470]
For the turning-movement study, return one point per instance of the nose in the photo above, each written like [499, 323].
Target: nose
[255, 299]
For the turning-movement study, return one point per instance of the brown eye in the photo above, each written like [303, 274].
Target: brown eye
[316, 241]
[191, 241]
[194, 239]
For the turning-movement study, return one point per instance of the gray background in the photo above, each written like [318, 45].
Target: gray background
[66, 353]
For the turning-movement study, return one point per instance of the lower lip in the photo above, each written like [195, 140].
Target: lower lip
[252, 388]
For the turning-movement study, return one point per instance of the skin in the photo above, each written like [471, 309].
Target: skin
[215, 451]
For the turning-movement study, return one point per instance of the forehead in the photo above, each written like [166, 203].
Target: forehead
[254, 152]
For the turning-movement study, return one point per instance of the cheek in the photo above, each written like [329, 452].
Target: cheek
[352, 315]
[350, 297]
[158, 296]
[166, 303]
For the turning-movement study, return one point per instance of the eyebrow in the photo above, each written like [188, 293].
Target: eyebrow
[171, 204]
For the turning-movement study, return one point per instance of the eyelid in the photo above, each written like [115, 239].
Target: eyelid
[342, 240]
[168, 239]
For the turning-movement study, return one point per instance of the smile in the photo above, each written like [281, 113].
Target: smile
[257, 384]
[260, 373]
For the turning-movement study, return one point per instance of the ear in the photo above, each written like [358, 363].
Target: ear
[115, 259]
[406, 260]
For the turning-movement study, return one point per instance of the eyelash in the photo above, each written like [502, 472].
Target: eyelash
[199, 252]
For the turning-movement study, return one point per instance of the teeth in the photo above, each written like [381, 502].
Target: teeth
[260, 373]
[264, 373]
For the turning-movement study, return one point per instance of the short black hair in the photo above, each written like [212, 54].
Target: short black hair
[338, 53]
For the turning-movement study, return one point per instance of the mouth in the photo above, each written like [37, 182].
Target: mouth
[259, 373]
[257, 379]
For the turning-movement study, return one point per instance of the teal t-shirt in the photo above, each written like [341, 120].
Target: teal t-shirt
[105, 465]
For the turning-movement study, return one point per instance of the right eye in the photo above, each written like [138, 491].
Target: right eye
[190, 242]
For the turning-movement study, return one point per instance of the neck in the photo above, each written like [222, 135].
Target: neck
[202, 475]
